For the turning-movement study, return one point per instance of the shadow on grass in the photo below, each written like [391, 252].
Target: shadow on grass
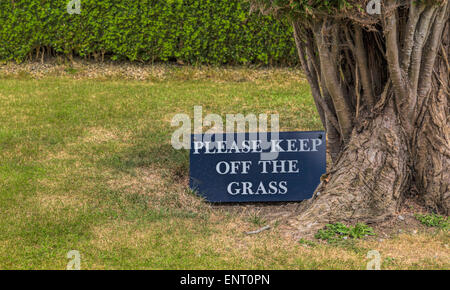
[173, 169]
[164, 156]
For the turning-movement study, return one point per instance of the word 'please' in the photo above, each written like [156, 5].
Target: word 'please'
[256, 146]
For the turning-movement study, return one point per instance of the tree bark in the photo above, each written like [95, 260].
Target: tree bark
[368, 180]
[388, 133]
[432, 166]
[433, 155]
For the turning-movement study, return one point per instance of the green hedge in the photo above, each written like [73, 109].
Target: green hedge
[195, 31]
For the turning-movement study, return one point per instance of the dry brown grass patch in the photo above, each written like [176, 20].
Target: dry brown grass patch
[80, 69]
[414, 249]
[144, 180]
[99, 135]
[51, 202]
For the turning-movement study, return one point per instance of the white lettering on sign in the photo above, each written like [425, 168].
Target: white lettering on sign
[264, 166]
[232, 170]
[233, 167]
[279, 166]
[254, 146]
[245, 187]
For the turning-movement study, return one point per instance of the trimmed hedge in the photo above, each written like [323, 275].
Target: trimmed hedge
[190, 31]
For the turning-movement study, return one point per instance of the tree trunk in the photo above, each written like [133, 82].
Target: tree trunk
[381, 87]
[368, 180]
[433, 153]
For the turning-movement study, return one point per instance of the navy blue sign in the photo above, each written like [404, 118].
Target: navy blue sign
[257, 167]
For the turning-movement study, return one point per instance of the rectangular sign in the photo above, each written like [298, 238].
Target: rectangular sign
[257, 167]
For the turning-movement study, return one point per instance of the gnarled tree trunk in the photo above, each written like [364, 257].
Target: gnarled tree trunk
[368, 180]
[432, 162]
[381, 87]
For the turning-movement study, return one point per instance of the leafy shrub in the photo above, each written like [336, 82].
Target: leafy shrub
[339, 232]
[189, 31]
[433, 220]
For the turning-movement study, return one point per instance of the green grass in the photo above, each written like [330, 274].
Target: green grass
[434, 220]
[87, 165]
[338, 232]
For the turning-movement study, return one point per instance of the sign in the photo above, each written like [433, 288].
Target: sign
[257, 167]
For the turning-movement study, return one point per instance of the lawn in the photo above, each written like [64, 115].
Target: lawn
[86, 164]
